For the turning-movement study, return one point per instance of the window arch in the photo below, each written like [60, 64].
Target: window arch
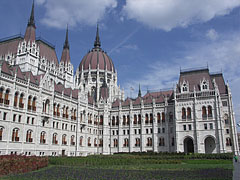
[21, 105]
[126, 142]
[15, 135]
[135, 119]
[54, 139]
[137, 142]
[43, 137]
[66, 112]
[73, 140]
[146, 118]
[149, 141]
[34, 104]
[64, 139]
[139, 119]
[117, 120]
[151, 118]
[189, 114]
[228, 141]
[128, 119]
[29, 136]
[95, 142]
[100, 142]
[204, 112]
[1, 133]
[183, 113]
[115, 142]
[16, 99]
[163, 117]
[210, 111]
[158, 117]
[113, 121]
[1, 95]
[124, 120]
[6, 100]
[81, 141]
[89, 141]
[29, 103]
[58, 110]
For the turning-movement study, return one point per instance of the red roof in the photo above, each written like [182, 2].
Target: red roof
[97, 57]
[10, 45]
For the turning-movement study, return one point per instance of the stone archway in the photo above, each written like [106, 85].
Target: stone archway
[210, 145]
[188, 145]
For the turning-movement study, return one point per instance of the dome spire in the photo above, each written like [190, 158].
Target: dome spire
[31, 21]
[97, 43]
[66, 44]
[139, 92]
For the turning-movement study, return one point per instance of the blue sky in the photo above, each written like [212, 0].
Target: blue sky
[148, 40]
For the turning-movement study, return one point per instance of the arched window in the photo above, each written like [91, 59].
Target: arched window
[149, 141]
[117, 120]
[54, 139]
[210, 111]
[29, 136]
[101, 120]
[139, 119]
[6, 101]
[204, 85]
[54, 109]
[135, 119]
[73, 140]
[183, 113]
[128, 119]
[124, 120]
[137, 142]
[58, 110]
[15, 137]
[158, 118]
[226, 119]
[64, 139]
[46, 106]
[95, 142]
[1, 133]
[66, 112]
[29, 103]
[81, 141]
[228, 142]
[146, 118]
[189, 113]
[184, 87]
[113, 121]
[1, 95]
[204, 112]
[16, 99]
[163, 117]
[151, 118]
[75, 114]
[89, 141]
[100, 143]
[21, 105]
[161, 141]
[43, 137]
[63, 114]
[115, 143]
[34, 104]
[126, 144]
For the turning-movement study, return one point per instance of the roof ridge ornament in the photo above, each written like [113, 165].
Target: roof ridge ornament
[97, 43]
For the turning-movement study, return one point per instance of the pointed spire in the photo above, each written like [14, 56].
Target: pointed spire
[139, 91]
[66, 44]
[31, 21]
[97, 43]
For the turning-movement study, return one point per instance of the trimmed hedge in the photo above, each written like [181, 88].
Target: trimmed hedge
[14, 164]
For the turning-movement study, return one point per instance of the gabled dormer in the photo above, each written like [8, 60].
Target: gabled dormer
[204, 85]
[184, 87]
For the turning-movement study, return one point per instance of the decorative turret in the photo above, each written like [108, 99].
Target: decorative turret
[30, 34]
[65, 59]
[97, 43]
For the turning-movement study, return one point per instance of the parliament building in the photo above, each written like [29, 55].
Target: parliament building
[48, 110]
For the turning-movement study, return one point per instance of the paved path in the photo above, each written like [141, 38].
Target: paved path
[236, 171]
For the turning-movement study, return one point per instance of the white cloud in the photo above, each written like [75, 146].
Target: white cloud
[223, 54]
[168, 14]
[212, 34]
[59, 13]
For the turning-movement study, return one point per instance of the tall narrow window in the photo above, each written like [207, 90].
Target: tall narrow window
[158, 118]
[209, 111]
[89, 141]
[128, 119]
[15, 99]
[135, 119]
[42, 137]
[1, 95]
[124, 120]
[1, 133]
[188, 113]
[149, 141]
[81, 141]
[146, 119]
[151, 118]
[21, 105]
[73, 140]
[183, 113]
[204, 112]
[34, 104]
[15, 137]
[113, 121]
[30, 103]
[6, 100]
[163, 117]
[54, 140]
[29, 136]
[139, 119]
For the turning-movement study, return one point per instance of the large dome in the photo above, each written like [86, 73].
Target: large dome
[97, 58]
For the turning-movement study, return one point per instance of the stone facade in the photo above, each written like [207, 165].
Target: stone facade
[47, 110]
